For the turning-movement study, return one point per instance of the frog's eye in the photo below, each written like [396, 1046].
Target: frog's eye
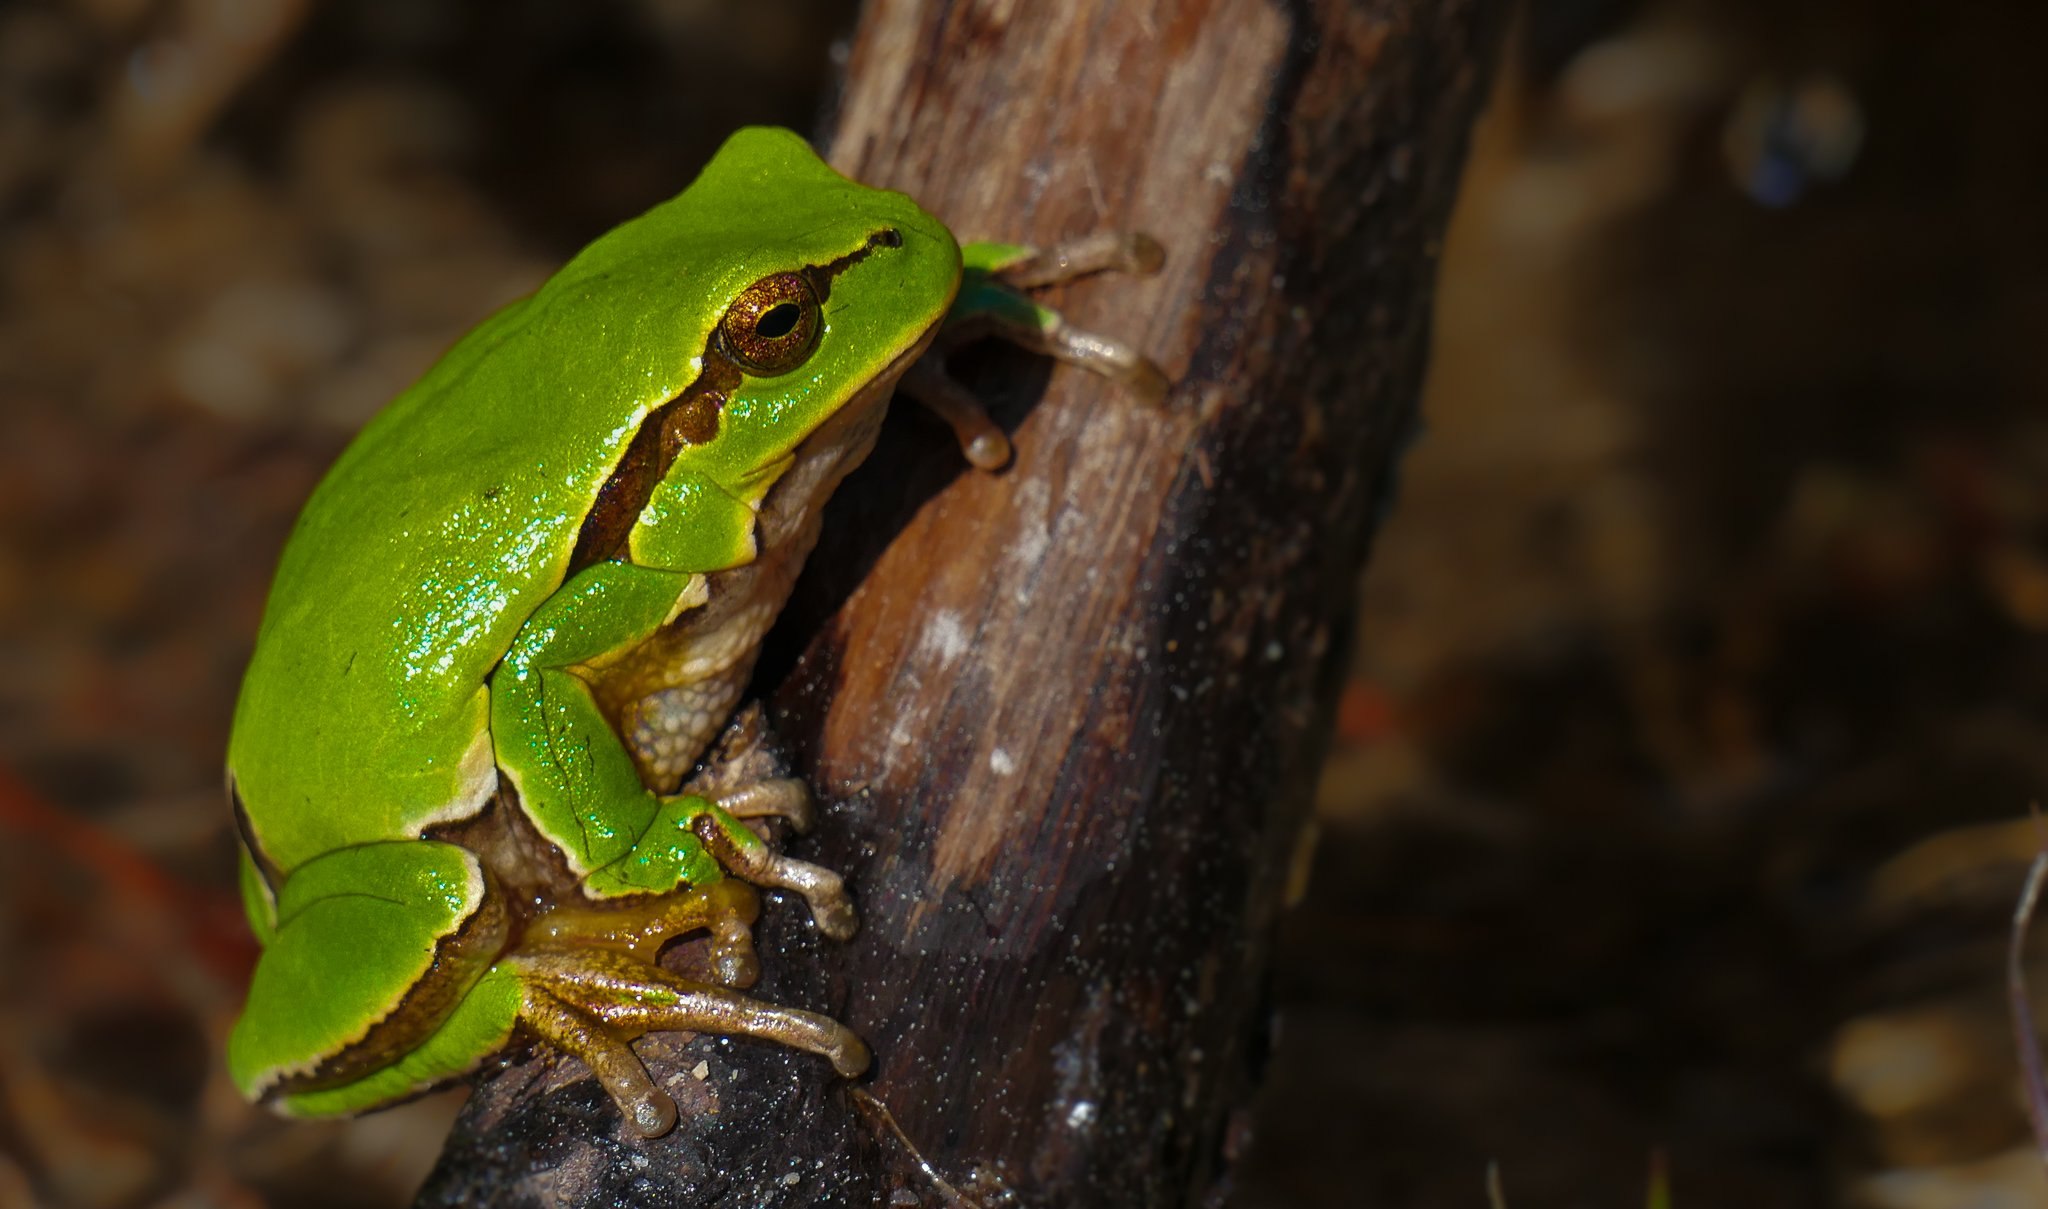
[772, 327]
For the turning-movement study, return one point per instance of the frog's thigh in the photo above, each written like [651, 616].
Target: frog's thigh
[375, 945]
[590, 1003]
[480, 1026]
[576, 780]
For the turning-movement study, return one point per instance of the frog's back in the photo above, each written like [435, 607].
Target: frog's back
[433, 538]
[441, 528]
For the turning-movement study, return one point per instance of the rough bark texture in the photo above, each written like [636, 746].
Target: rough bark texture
[1070, 716]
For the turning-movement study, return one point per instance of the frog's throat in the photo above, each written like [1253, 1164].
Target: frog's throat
[670, 693]
[792, 506]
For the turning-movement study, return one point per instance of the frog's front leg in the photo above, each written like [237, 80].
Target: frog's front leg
[578, 785]
[586, 975]
[992, 302]
[741, 774]
[784, 798]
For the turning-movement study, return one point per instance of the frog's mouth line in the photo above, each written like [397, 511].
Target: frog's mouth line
[691, 417]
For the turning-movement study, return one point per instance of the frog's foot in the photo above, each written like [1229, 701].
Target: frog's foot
[992, 303]
[743, 853]
[591, 1003]
[642, 924]
[777, 797]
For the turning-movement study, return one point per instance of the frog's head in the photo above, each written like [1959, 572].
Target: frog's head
[786, 295]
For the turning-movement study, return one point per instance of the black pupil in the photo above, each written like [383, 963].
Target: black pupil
[778, 321]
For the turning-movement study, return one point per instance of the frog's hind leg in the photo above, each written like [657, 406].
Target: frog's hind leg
[591, 1003]
[642, 925]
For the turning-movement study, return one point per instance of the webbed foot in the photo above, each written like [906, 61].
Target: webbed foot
[591, 1003]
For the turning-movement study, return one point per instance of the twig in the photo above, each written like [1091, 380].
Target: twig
[2024, 1034]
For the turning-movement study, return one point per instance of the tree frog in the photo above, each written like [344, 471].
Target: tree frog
[526, 599]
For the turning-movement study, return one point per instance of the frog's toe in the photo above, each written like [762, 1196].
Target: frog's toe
[618, 1069]
[1111, 358]
[1102, 252]
[733, 961]
[835, 917]
[643, 924]
[777, 797]
[653, 1116]
[823, 889]
[850, 1056]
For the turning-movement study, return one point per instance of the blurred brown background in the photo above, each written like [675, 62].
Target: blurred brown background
[1679, 796]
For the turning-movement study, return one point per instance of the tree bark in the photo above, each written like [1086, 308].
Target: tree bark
[1069, 717]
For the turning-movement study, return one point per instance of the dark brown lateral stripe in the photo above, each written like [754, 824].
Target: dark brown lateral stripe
[460, 959]
[265, 867]
[690, 418]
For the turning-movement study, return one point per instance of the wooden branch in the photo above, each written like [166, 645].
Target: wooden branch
[1071, 715]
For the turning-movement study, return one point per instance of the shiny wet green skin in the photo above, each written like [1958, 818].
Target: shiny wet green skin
[419, 637]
